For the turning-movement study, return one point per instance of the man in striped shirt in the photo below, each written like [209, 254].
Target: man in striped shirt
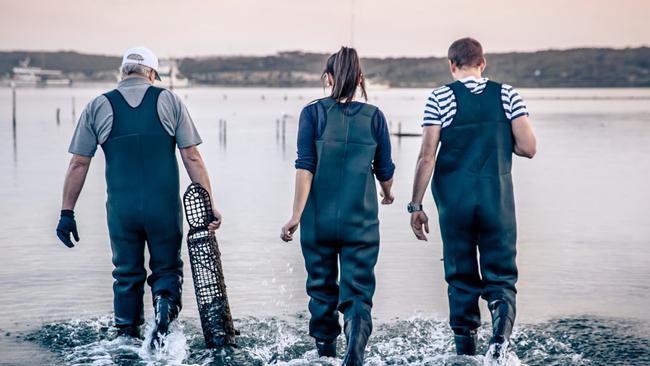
[479, 125]
[441, 106]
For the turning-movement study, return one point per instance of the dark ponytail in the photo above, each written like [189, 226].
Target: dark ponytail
[345, 68]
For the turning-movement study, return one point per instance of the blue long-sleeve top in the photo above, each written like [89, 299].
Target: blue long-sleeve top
[313, 120]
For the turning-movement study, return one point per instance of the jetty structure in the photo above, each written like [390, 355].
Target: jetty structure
[26, 75]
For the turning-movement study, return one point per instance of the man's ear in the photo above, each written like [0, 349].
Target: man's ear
[452, 67]
[483, 64]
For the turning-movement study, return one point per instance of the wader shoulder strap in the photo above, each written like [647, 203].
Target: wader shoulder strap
[327, 103]
[457, 87]
[367, 111]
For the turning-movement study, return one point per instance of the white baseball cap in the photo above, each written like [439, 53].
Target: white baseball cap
[141, 56]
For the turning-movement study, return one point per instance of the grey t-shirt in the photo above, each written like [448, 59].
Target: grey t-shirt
[96, 121]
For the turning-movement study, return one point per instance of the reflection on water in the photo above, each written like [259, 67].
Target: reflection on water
[584, 231]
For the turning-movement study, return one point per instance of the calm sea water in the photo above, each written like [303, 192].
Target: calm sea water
[584, 236]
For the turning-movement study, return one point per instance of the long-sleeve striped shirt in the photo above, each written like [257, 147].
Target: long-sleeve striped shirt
[440, 107]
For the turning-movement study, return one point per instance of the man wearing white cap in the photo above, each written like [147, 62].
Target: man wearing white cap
[138, 127]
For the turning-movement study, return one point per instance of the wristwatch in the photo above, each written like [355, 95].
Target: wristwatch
[413, 207]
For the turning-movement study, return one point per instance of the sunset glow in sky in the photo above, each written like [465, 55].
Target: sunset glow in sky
[258, 27]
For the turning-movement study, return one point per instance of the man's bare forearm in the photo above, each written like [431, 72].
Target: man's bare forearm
[423, 172]
[426, 162]
[525, 141]
[196, 169]
[74, 181]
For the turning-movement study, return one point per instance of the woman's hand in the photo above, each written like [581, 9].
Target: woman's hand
[387, 199]
[216, 224]
[289, 229]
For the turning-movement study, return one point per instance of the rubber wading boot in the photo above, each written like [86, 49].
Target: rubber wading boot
[357, 331]
[465, 342]
[166, 312]
[503, 316]
[326, 348]
[132, 331]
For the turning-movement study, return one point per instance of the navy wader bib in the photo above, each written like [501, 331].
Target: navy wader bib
[340, 223]
[472, 187]
[143, 206]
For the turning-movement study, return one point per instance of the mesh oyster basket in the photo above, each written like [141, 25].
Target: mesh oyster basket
[207, 271]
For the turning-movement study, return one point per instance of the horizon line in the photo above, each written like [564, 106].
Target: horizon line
[325, 52]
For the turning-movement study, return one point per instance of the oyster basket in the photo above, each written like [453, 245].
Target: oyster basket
[207, 271]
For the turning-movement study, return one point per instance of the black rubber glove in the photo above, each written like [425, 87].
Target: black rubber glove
[67, 225]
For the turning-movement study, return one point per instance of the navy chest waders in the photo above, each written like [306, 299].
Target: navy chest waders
[143, 205]
[340, 224]
[472, 187]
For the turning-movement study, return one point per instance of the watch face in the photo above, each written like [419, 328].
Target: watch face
[412, 207]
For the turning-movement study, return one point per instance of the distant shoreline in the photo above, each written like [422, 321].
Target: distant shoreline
[86, 85]
[572, 68]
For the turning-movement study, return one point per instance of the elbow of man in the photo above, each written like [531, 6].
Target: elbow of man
[532, 152]
[194, 158]
[427, 160]
[191, 155]
[528, 151]
[79, 163]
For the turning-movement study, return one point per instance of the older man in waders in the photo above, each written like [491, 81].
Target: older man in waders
[138, 127]
[479, 125]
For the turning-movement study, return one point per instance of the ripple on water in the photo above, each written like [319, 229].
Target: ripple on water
[284, 341]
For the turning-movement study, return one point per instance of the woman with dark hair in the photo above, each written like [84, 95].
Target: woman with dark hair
[343, 145]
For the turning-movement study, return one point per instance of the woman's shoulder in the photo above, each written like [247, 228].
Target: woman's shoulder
[369, 109]
[312, 105]
[314, 109]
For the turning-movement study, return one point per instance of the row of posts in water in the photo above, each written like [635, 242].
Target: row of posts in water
[58, 109]
[280, 123]
[74, 113]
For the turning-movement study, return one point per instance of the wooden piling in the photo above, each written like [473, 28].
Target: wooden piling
[74, 110]
[58, 116]
[225, 133]
[13, 105]
[13, 112]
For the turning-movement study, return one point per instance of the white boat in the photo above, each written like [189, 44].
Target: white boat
[25, 75]
[168, 71]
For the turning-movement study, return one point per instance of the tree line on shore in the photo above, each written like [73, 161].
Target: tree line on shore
[584, 67]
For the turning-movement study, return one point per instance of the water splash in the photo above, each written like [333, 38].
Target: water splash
[415, 341]
[173, 350]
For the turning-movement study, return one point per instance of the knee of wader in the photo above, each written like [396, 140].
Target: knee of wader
[323, 288]
[129, 279]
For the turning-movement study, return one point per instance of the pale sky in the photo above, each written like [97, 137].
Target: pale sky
[259, 27]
